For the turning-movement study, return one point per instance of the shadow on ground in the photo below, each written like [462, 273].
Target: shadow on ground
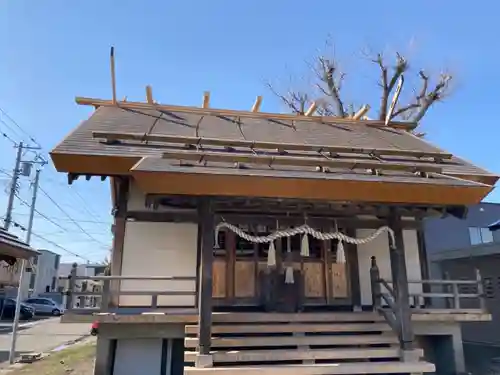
[482, 359]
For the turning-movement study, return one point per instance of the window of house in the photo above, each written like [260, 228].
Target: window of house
[32, 280]
[480, 235]
[489, 290]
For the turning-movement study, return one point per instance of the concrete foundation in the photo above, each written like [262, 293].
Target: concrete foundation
[442, 344]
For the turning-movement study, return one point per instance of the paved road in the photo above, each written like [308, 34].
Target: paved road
[40, 336]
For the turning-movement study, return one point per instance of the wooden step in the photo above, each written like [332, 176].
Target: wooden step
[319, 369]
[299, 354]
[192, 342]
[232, 317]
[293, 328]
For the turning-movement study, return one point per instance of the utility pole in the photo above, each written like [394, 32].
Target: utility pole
[15, 178]
[12, 353]
[13, 185]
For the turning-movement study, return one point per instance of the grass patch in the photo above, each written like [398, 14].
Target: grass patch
[76, 360]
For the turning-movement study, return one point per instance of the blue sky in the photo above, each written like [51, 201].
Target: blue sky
[52, 51]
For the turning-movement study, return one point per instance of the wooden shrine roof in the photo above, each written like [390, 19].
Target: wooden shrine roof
[12, 247]
[136, 140]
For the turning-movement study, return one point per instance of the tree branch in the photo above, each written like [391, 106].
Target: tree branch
[326, 73]
[416, 110]
[379, 60]
[295, 101]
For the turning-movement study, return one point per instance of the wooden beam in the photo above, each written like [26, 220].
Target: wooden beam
[310, 111]
[424, 264]
[256, 105]
[113, 77]
[273, 160]
[149, 94]
[206, 99]
[157, 216]
[243, 114]
[205, 288]
[120, 212]
[264, 218]
[109, 135]
[352, 260]
[400, 283]
[361, 112]
[198, 262]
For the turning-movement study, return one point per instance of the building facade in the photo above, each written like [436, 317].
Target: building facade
[456, 249]
[44, 275]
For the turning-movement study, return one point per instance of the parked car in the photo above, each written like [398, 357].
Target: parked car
[8, 309]
[45, 306]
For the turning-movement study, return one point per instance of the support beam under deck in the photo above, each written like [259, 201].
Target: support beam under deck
[206, 217]
[400, 284]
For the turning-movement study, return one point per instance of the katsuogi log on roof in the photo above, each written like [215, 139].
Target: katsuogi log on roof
[12, 248]
[203, 151]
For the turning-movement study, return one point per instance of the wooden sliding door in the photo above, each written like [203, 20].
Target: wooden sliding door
[238, 265]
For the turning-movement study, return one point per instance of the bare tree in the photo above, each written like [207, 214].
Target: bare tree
[329, 79]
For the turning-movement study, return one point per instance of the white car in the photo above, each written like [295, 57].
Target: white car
[45, 306]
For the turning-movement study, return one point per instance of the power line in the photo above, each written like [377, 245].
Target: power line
[8, 138]
[86, 207]
[70, 218]
[59, 246]
[41, 214]
[30, 137]
[51, 242]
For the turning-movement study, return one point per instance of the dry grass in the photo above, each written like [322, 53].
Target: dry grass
[77, 360]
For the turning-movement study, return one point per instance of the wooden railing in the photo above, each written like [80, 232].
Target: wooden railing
[106, 295]
[385, 298]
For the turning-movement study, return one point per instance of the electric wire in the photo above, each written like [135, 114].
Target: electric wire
[50, 242]
[70, 218]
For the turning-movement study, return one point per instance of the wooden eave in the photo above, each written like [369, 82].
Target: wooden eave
[305, 188]
[11, 246]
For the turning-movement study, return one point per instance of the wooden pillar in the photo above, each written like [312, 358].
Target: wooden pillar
[121, 188]
[400, 283]
[424, 264]
[230, 263]
[353, 270]
[206, 217]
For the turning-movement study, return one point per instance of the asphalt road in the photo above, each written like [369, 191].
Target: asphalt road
[39, 336]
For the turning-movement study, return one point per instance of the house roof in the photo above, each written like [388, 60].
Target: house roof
[12, 247]
[135, 140]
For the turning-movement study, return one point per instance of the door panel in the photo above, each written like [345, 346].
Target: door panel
[314, 281]
[219, 278]
[244, 279]
[339, 281]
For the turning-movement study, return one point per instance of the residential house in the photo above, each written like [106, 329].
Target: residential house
[44, 276]
[81, 270]
[228, 224]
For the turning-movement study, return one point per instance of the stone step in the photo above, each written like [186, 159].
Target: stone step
[293, 328]
[331, 340]
[277, 355]
[318, 369]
